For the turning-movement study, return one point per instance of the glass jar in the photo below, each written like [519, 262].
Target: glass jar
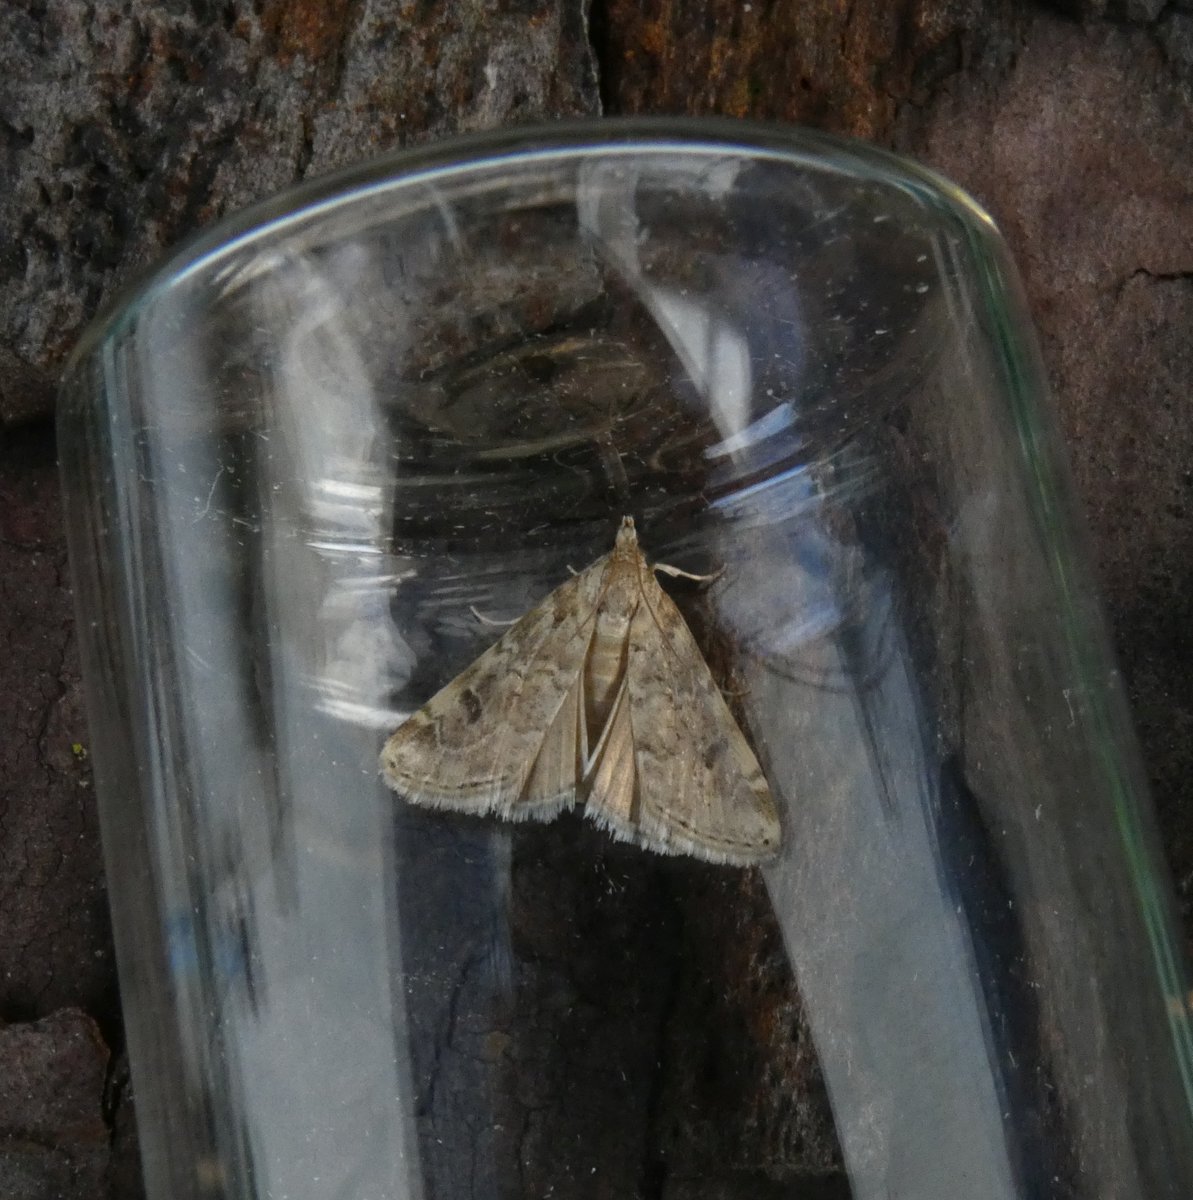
[319, 457]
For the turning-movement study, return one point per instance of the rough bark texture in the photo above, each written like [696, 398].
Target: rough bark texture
[1083, 151]
[54, 942]
[124, 127]
[53, 1135]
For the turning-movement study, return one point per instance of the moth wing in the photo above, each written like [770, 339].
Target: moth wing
[475, 746]
[612, 777]
[557, 767]
[700, 790]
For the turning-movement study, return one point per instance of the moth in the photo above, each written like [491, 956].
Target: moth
[600, 697]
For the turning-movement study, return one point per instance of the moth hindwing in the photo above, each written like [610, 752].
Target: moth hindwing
[599, 696]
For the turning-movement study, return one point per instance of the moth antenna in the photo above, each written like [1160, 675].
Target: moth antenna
[480, 616]
[676, 573]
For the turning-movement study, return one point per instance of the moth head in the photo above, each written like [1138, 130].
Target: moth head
[626, 536]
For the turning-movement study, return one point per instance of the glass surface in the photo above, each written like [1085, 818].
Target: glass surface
[311, 462]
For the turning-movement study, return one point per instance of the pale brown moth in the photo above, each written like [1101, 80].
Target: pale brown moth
[598, 696]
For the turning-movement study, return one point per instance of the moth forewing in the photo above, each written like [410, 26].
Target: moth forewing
[599, 696]
[701, 789]
[551, 784]
[610, 783]
[474, 745]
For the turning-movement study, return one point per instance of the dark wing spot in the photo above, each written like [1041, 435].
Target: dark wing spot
[561, 609]
[420, 733]
[713, 751]
[471, 705]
